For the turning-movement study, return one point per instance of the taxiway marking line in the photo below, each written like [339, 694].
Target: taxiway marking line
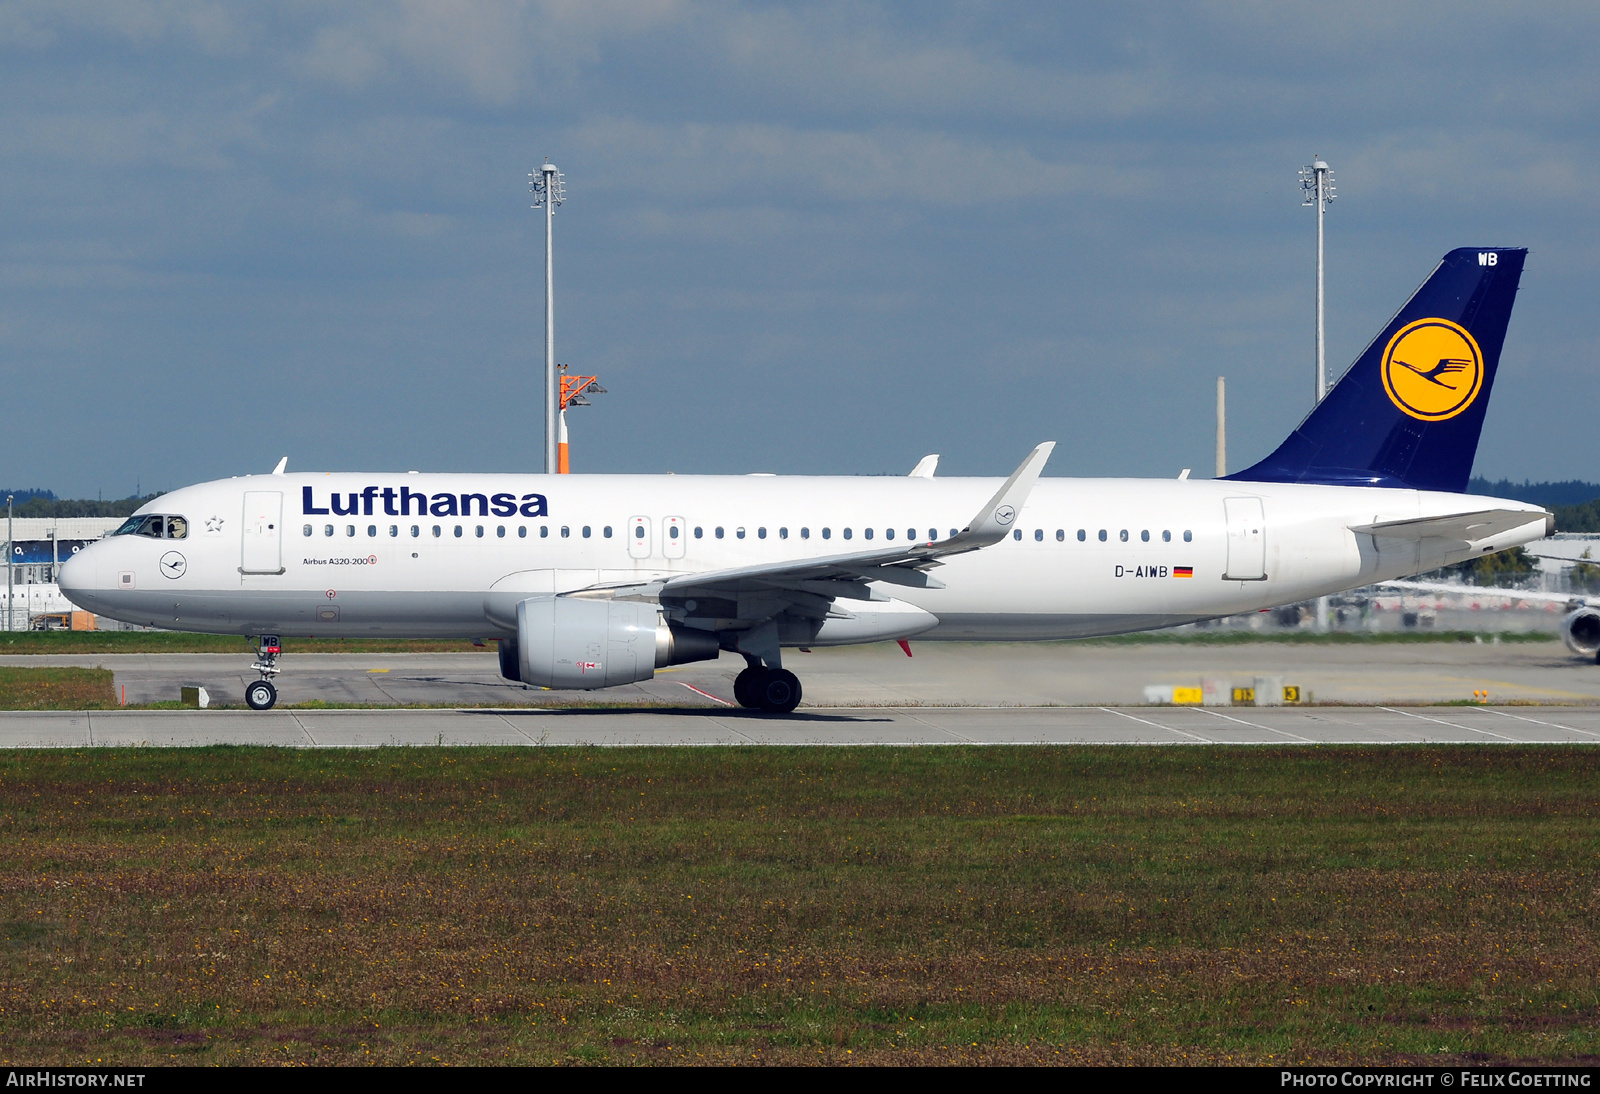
[707, 694]
[1253, 725]
[1155, 725]
[1452, 725]
[1553, 725]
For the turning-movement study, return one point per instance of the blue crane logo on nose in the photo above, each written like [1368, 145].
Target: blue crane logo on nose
[173, 564]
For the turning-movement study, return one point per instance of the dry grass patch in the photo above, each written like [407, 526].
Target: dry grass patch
[55, 689]
[800, 905]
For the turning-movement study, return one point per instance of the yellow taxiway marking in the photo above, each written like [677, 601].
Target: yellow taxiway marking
[377, 670]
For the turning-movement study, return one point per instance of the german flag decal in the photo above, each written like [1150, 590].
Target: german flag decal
[1183, 571]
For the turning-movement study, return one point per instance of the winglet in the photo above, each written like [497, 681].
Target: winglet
[283, 463]
[925, 467]
[995, 519]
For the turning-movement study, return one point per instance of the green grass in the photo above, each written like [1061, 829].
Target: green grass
[1375, 905]
[71, 642]
[55, 689]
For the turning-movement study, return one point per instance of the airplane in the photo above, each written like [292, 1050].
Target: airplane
[591, 581]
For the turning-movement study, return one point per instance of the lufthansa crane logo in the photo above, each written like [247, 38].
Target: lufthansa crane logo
[1432, 369]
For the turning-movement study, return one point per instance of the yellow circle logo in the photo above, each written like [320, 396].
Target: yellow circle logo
[1432, 369]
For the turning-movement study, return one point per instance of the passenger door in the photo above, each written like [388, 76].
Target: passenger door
[1247, 540]
[262, 551]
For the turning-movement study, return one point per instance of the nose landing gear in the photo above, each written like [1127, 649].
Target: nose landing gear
[261, 695]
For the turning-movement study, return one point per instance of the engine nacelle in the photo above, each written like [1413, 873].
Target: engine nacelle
[1581, 632]
[577, 643]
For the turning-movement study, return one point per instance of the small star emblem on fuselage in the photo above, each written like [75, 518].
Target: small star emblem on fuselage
[213, 524]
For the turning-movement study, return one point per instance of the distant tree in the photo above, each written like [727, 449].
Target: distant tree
[1585, 576]
[1503, 569]
[1578, 518]
[70, 507]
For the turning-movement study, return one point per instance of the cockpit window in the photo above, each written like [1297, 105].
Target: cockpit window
[155, 526]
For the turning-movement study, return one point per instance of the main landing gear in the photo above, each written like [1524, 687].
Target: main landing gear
[774, 691]
[261, 695]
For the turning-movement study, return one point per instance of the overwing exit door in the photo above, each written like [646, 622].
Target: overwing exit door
[673, 537]
[639, 537]
[1247, 540]
[262, 551]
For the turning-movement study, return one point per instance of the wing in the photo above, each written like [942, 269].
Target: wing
[745, 597]
[1570, 599]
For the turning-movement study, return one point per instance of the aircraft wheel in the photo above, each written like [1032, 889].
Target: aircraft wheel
[779, 691]
[260, 695]
[744, 687]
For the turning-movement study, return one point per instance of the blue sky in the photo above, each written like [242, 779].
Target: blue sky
[800, 238]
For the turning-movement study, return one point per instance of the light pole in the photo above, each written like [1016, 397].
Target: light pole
[1316, 182]
[549, 190]
[10, 550]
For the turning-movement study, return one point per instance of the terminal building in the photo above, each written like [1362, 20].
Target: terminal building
[37, 548]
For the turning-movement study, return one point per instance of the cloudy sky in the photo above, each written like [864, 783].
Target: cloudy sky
[799, 238]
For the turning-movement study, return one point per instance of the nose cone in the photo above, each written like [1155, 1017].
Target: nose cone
[78, 578]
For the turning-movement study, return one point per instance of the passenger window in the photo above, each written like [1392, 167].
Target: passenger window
[1187, 535]
[719, 531]
[827, 533]
[699, 532]
[1016, 533]
[638, 532]
[566, 532]
[587, 531]
[783, 533]
[848, 533]
[458, 531]
[1061, 535]
[739, 532]
[415, 531]
[478, 531]
[1038, 535]
[349, 529]
[394, 531]
[888, 533]
[500, 531]
[1144, 536]
[1123, 535]
[1082, 535]
[606, 531]
[437, 531]
[1102, 535]
[867, 533]
[954, 532]
[672, 531]
[177, 528]
[805, 533]
[1166, 535]
[307, 530]
[544, 531]
[522, 531]
[761, 533]
[327, 529]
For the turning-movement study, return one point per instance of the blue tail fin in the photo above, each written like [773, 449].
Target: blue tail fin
[1409, 411]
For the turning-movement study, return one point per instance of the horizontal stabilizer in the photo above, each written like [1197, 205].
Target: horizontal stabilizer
[925, 467]
[1466, 527]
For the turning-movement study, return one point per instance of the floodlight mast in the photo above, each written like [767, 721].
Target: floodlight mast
[1316, 182]
[549, 190]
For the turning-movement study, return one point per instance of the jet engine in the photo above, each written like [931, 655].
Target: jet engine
[573, 642]
[1580, 630]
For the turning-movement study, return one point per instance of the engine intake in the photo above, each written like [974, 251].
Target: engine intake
[577, 643]
[1581, 632]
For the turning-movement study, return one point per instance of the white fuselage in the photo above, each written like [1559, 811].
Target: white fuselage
[1095, 556]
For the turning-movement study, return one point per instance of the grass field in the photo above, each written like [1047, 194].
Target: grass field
[55, 689]
[809, 905]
